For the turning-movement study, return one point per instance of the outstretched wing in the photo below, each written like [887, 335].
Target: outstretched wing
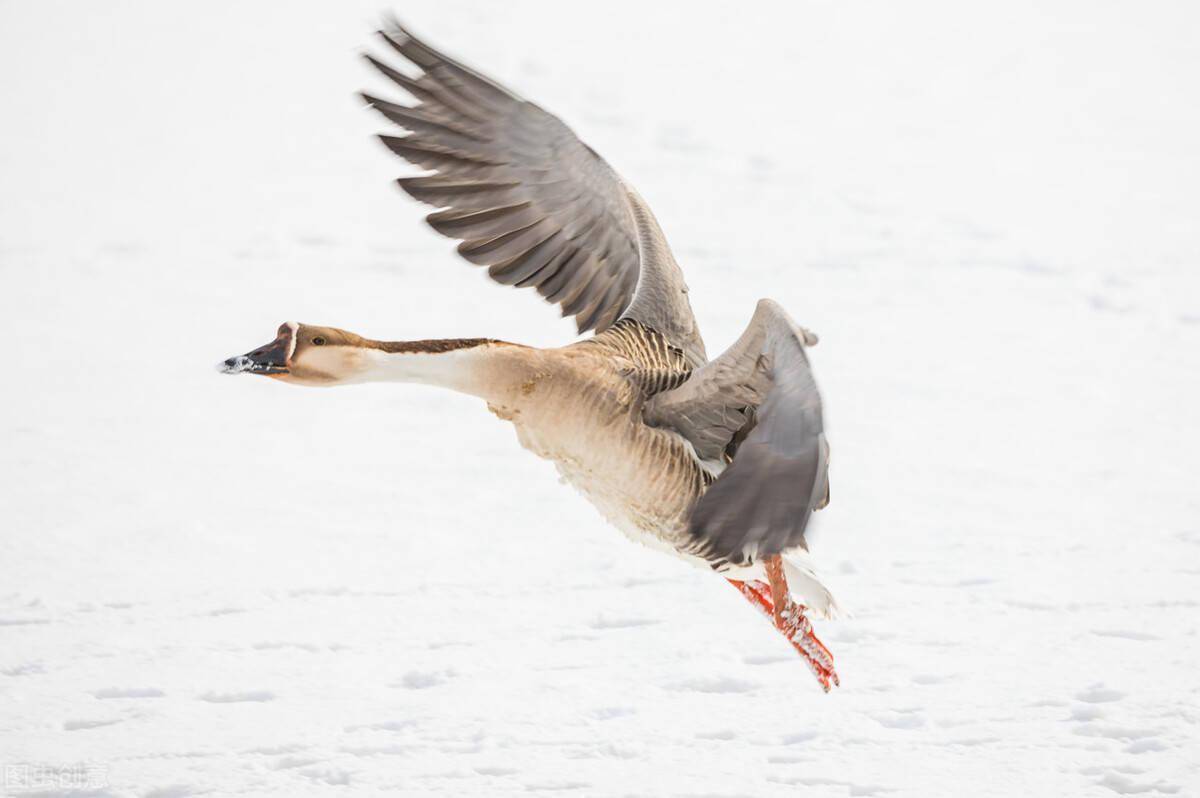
[760, 400]
[529, 200]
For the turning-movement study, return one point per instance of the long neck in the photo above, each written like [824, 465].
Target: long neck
[476, 366]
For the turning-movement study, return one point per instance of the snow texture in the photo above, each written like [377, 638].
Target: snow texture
[216, 586]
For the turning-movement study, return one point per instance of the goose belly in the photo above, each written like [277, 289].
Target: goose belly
[643, 480]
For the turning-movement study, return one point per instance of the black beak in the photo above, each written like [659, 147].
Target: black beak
[269, 359]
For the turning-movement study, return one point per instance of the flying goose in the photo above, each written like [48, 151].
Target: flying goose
[720, 462]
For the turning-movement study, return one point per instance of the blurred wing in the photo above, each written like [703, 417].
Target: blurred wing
[760, 400]
[529, 200]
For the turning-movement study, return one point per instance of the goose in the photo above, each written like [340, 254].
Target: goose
[720, 462]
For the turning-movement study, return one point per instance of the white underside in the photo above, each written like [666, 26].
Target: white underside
[804, 583]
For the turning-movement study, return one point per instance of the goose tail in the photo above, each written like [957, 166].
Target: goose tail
[808, 587]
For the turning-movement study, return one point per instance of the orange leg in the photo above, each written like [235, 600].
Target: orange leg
[773, 599]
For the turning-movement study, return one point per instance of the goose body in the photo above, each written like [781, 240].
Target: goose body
[582, 411]
[720, 462]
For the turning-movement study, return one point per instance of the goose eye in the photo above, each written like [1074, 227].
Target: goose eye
[318, 341]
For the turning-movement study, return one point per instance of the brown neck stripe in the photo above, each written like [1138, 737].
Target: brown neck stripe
[435, 346]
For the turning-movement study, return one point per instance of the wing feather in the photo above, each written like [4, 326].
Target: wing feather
[529, 200]
[758, 399]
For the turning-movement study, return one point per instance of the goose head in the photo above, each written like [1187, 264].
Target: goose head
[304, 354]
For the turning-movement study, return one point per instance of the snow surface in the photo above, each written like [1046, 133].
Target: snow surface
[219, 585]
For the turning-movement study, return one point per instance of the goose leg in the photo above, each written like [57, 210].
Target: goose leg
[774, 601]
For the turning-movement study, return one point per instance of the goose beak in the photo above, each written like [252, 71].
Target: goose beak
[270, 359]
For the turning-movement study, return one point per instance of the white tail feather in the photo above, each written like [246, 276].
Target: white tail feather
[808, 588]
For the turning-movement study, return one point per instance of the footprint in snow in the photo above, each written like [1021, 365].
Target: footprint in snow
[290, 762]
[799, 737]
[1125, 634]
[719, 684]
[377, 750]
[901, 720]
[1123, 785]
[238, 698]
[971, 742]
[767, 659]
[331, 776]
[423, 680]
[276, 750]
[127, 692]
[851, 788]
[978, 581]
[1099, 694]
[1105, 304]
[24, 669]
[608, 713]
[1143, 746]
[788, 759]
[622, 623]
[322, 592]
[1115, 732]
[276, 645]
[82, 725]
[173, 791]
[929, 678]
[387, 725]
[1087, 712]
[557, 785]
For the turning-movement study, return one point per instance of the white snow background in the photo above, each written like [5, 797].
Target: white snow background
[230, 586]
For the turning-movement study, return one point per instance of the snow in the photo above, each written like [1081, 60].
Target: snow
[217, 585]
